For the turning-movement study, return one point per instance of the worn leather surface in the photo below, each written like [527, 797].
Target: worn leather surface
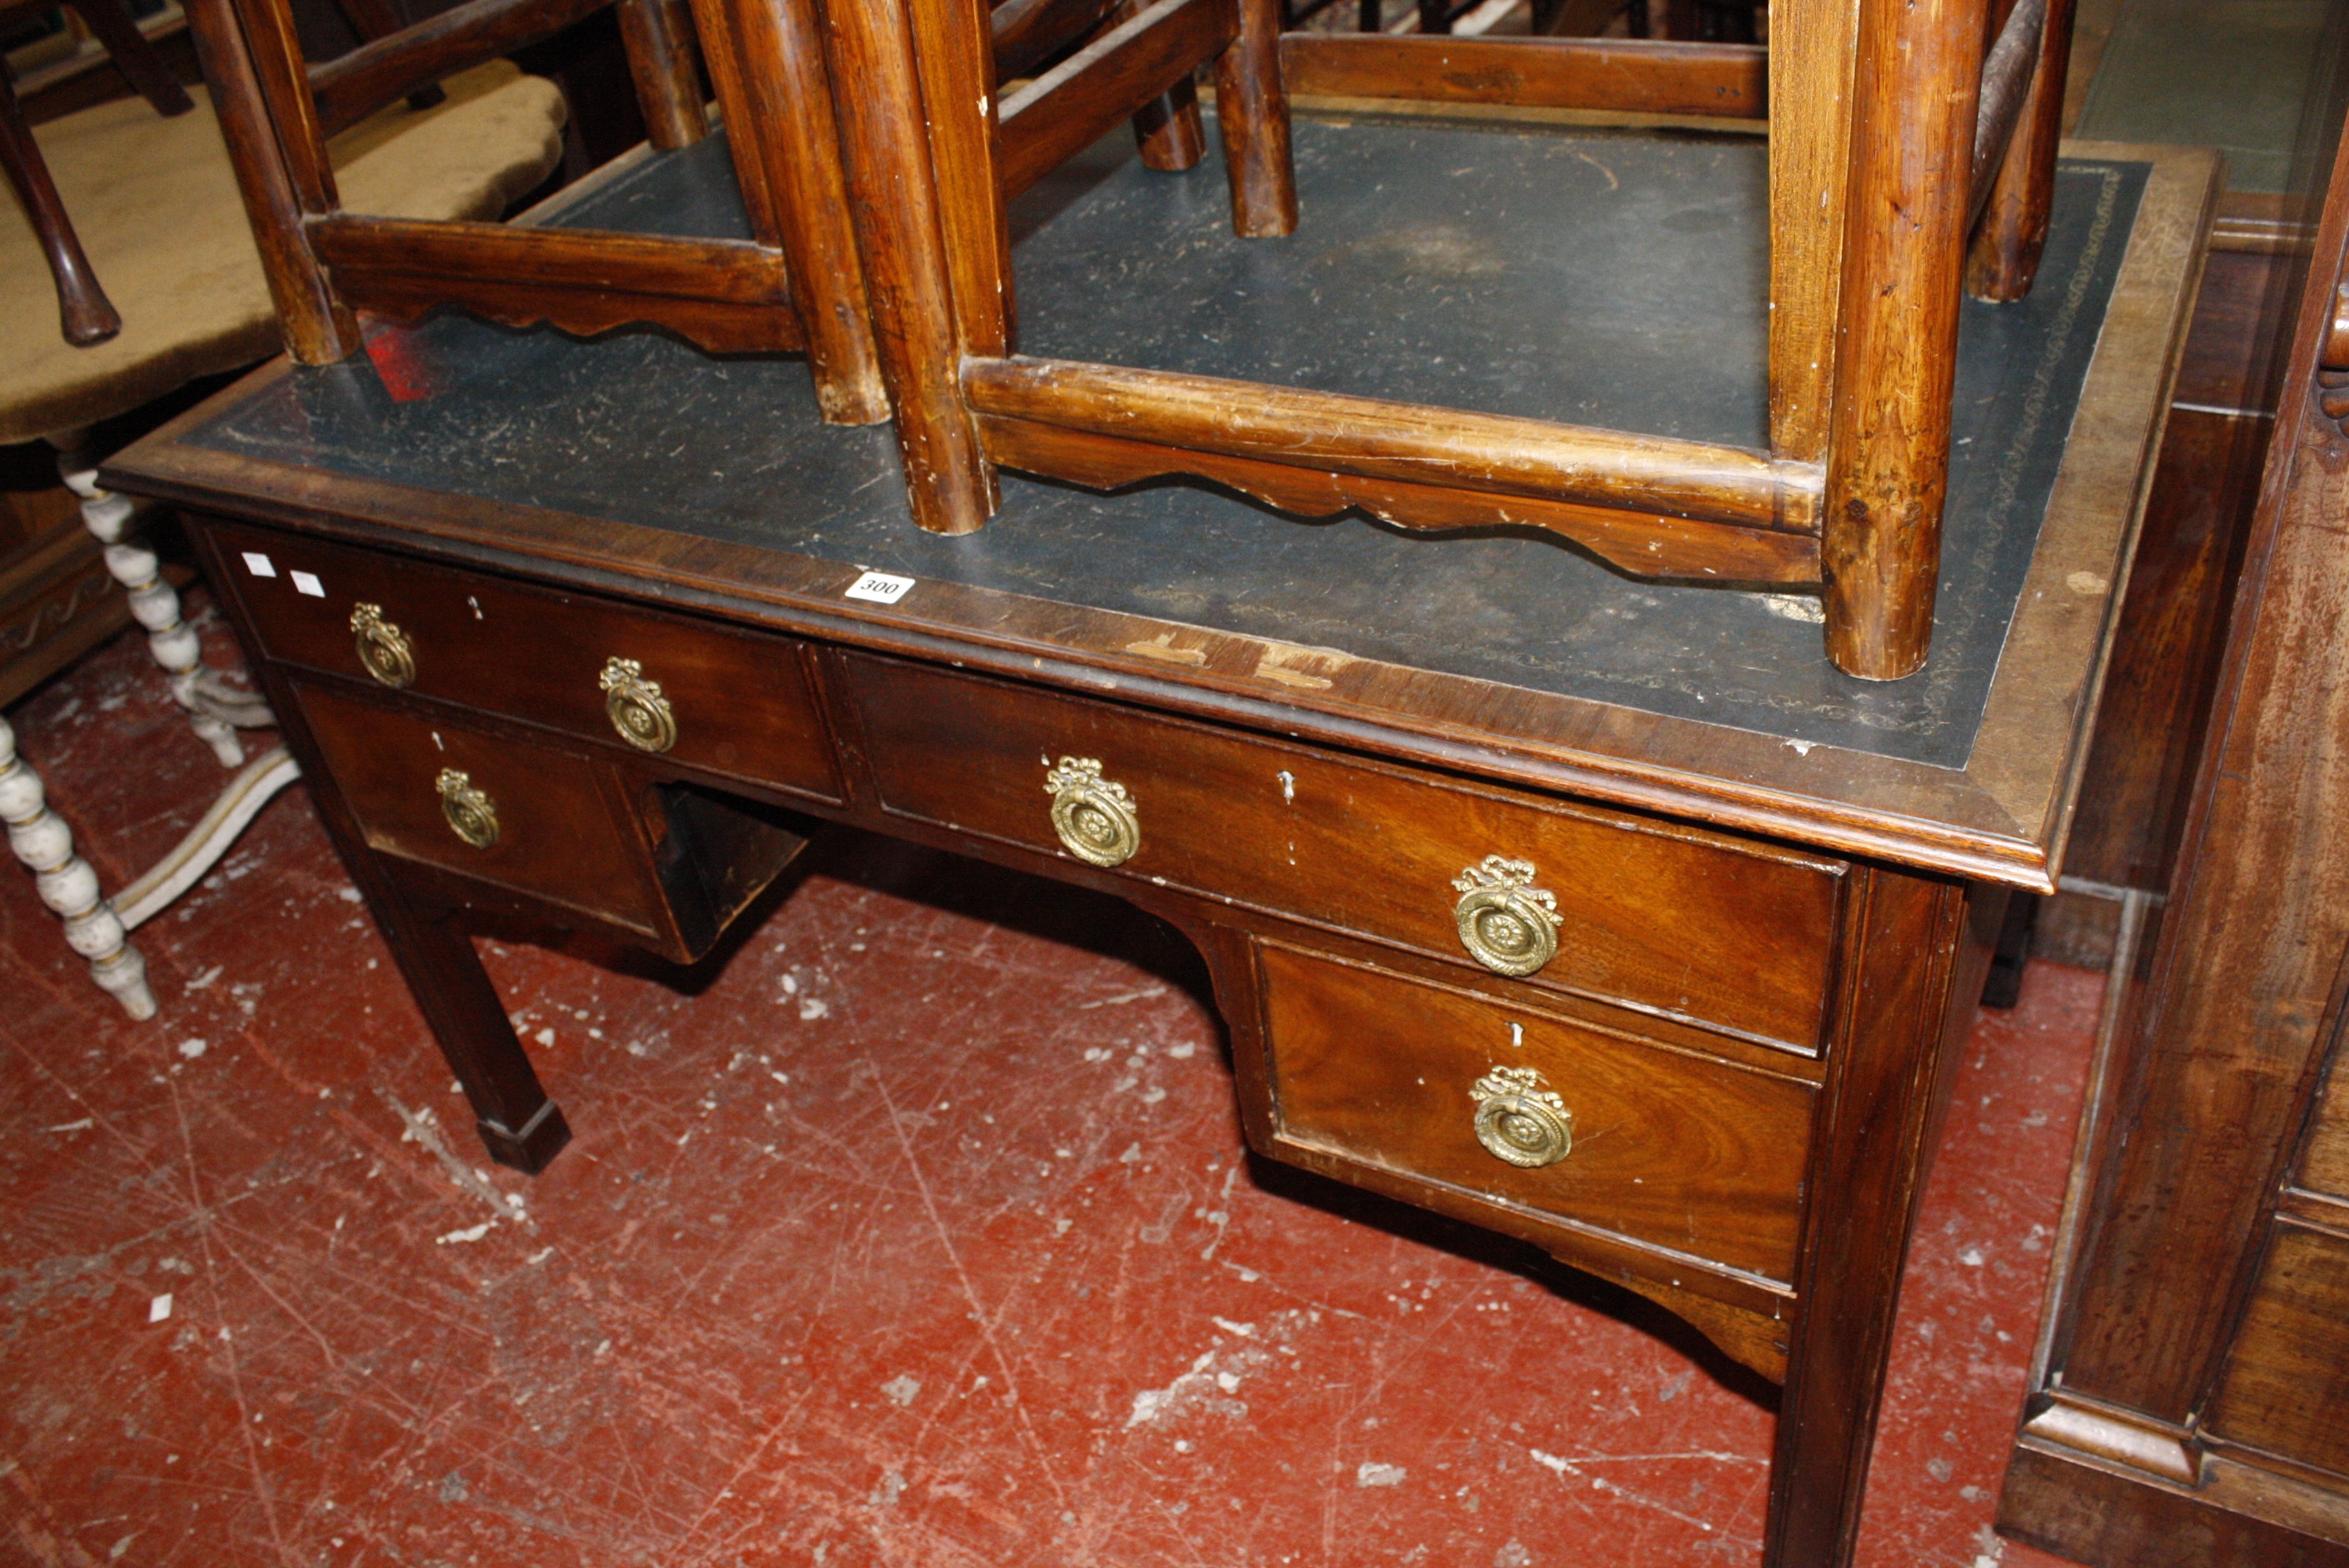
[1592, 277]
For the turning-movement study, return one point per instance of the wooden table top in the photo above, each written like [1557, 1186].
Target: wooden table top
[1570, 272]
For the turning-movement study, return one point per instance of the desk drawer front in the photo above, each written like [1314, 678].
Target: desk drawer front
[1678, 921]
[552, 829]
[736, 704]
[1681, 1151]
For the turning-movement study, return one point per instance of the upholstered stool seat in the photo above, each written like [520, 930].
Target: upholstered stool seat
[156, 206]
[155, 203]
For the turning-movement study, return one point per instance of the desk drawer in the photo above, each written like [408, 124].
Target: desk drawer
[555, 834]
[736, 703]
[1674, 920]
[1681, 1151]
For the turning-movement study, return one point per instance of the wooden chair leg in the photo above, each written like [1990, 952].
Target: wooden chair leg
[950, 486]
[141, 65]
[1167, 129]
[766, 63]
[1169, 133]
[658, 35]
[1252, 115]
[319, 328]
[84, 313]
[2005, 257]
[1917, 75]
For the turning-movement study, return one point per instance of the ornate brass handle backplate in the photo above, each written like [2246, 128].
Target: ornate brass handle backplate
[470, 815]
[636, 706]
[1094, 816]
[1520, 1121]
[1506, 924]
[383, 647]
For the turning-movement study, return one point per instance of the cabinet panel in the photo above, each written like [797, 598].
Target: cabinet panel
[1676, 1151]
[2286, 1387]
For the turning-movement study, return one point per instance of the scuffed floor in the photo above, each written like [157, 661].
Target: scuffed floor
[917, 1231]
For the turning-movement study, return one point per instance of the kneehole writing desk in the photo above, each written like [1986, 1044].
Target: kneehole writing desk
[1607, 916]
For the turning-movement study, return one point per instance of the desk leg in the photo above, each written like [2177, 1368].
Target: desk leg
[1912, 968]
[519, 1126]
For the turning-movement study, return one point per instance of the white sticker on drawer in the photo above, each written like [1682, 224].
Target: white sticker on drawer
[305, 584]
[880, 587]
[260, 565]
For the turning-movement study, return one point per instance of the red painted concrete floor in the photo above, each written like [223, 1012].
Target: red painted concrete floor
[917, 1231]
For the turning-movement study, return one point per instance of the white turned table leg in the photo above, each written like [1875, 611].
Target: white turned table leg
[156, 606]
[67, 885]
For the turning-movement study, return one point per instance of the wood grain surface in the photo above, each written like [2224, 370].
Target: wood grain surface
[2194, 1359]
[1916, 72]
[1622, 75]
[557, 838]
[2287, 1376]
[1693, 1156]
[538, 657]
[1411, 443]
[1666, 918]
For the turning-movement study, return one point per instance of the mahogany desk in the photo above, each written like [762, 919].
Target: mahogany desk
[1601, 913]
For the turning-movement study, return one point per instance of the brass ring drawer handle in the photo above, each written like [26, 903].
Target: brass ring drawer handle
[470, 815]
[636, 706]
[1519, 1120]
[1093, 816]
[383, 647]
[1506, 924]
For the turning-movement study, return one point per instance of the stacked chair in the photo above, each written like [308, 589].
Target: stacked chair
[1900, 143]
[1912, 149]
[795, 285]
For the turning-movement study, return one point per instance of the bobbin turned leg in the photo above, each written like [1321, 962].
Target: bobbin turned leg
[67, 885]
[216, 709]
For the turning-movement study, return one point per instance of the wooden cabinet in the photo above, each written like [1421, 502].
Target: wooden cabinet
[2193, 1402]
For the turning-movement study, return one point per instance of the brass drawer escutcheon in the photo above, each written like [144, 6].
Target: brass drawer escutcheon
[1094, 816]
[1506, 924]
[1519, 1120]
[383, 647]
[636, 706]
[470, 815]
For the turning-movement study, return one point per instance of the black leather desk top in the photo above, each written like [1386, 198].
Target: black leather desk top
[1601, 279]
[1595, 276]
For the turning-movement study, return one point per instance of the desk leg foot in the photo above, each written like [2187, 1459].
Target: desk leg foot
[542, 1138]
[519, 1125]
